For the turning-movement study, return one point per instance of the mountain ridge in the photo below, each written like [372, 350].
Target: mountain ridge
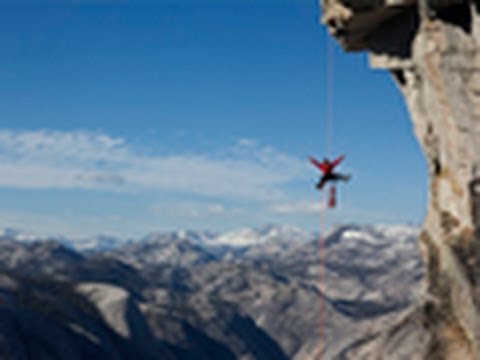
[187, 301]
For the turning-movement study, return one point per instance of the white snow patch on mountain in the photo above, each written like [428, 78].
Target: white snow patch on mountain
[270, 234]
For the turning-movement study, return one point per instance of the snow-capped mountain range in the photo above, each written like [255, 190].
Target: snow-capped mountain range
[251, 293]
[236, 239]
[94, 243]
[266, 235]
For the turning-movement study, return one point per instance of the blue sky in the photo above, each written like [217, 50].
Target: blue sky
[134, 117]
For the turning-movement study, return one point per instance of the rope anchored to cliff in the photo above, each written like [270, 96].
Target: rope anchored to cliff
[424, 10]
[328, 177]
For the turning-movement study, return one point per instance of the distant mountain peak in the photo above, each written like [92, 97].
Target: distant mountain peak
[257, 236]
[17, 234]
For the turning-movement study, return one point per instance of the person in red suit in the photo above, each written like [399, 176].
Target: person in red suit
[327, 168]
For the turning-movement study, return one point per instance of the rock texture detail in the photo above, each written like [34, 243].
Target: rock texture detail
[433, 51]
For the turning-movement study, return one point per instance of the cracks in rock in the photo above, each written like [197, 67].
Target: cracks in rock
[437, 308]
[432, 150]
[474, 187]
[448, 222]
[399, 76]
[448, 334]
[437, 166]
[432, 260]
[465, 250]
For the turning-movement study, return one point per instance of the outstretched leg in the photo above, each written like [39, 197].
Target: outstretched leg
[331, 177]
[323, 180]
[341, 177]
[321, 183]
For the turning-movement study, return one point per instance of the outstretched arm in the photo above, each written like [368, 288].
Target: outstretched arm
[337, 161]
[318, 164]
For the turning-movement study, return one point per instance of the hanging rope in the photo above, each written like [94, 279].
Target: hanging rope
[323, 206]
[330, 92]
[424, 10]
[322, 289]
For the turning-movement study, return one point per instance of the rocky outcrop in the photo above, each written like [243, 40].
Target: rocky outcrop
[433, 51]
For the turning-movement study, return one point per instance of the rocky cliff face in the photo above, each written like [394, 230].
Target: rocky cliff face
[432, 50]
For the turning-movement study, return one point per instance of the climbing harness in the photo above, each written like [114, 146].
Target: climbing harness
[332, 197]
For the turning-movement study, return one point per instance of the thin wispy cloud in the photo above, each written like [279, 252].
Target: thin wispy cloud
[193, 210]
[298, 208]
[79, 159]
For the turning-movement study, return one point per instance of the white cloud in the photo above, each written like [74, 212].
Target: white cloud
[298, 208]
[191, 210]
[79, 159]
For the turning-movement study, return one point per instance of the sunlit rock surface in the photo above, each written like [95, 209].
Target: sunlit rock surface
[433, 53]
